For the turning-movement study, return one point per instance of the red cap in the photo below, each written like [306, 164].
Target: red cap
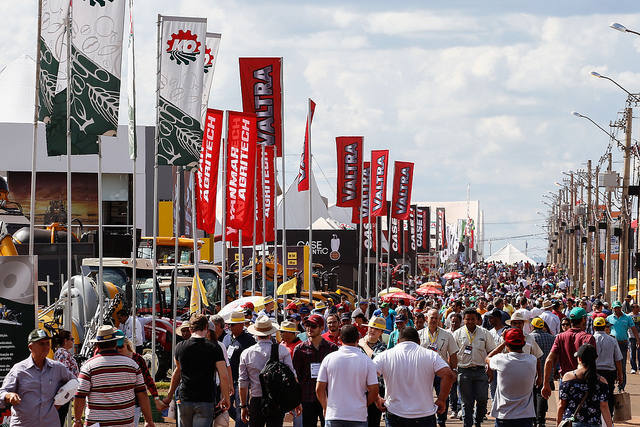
[291, 306]
[248, 304]
[315, 320]
[514, 336]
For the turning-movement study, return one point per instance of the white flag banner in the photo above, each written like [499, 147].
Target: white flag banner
[181, 51]
[52, 53]
[96, 52]
[210, 58]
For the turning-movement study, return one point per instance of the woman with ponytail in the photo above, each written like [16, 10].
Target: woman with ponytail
[583, 393]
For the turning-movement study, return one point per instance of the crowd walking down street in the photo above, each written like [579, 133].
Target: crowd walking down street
[309, 371]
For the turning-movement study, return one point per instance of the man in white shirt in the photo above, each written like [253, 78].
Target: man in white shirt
[126, 326]
[347, 382]
[408, 371]
[552, 321]
[516, 373]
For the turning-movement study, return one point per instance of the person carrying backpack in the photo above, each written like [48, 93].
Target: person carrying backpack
[266, 379]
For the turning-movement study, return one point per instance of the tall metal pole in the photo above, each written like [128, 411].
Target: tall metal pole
[361, 226]
[275, 229]
[589, 256]
[264, 229]
[572, 242]
[607, 242]
[34, 148]
[155, 213]
[310, 178]
[623, 257]
[240, 263]
[223, 291]
[253, 245]
[581, 276]
[596, 221]
[100, 237]
[284, 193]
[194, 223]
[68, 322]
[132, 134]
[176, 259]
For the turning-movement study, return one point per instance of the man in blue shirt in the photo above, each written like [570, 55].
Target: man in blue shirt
[31, 385]
[620, 325]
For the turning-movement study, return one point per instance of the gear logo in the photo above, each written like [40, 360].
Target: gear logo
[208, 59]
[184, 47]
[101, 3]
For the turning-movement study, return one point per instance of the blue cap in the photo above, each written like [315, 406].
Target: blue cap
[304, 310]
[364, 301]
[294, 316]
[120, 335]
[401, 318]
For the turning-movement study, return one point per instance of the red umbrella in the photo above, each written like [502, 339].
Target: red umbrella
[431, 285]
[395, 297]
[452, 275]
[428, 291]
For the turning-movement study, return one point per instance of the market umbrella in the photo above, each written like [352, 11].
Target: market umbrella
[452, 275]
[428, 291]
[390, 291]
[431, 285]
[256, 300]
[395, 297]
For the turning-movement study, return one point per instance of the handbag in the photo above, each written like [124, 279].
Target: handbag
[622, 411]
[568, 422]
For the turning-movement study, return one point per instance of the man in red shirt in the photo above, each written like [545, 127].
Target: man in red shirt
[557, 309]
[333, 334]
[564, 347]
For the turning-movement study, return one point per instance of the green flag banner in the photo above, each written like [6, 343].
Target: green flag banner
[96, 52]
[181, 56]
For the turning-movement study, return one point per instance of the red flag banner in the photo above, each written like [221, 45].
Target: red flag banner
[241, 156]
[261, 84]
[349, 155]
[305, 162]
[412, 230]
[363, 208]
[402, 182]
[207, 175]
[379, 167]
[269, 192]
[259, 193]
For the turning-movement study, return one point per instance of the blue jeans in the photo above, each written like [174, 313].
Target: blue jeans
[579, 424]
[393, 420]
[624, 346]
[634, 349]
[442, 418]
[519, 422]
[196, 414]
[234, 411]
[474, 389]
[341, 423]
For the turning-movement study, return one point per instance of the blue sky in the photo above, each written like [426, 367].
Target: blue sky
[473, 92]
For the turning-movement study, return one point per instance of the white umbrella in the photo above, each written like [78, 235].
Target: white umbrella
[226, 311]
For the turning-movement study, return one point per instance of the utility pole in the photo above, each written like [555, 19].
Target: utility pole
[607, 243]
[596, 222]
[623, 257]
[572, 236]
[581, 275]
[589, 256]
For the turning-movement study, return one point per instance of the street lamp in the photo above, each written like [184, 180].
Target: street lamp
[600, 76]
[622, 28]
[582, 116]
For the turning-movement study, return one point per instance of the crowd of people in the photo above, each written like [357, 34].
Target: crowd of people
[511, 333]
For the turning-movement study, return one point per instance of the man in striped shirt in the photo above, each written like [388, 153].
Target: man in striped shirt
[110, 382]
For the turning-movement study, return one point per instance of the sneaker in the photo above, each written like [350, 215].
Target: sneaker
[460, 414]
[633, 371]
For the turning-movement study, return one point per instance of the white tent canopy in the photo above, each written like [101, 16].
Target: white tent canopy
[298, 207]
[509, 254]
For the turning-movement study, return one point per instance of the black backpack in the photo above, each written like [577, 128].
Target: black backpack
[281, 392]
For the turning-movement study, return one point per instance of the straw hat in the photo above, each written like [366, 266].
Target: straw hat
[263, 327]
[319, 305]
[267, 300]
[106, 333]
[378, 323]
[236, 317]
[288, 326]
[517, 315]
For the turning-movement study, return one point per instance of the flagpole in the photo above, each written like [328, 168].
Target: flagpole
[284, 189]
[100, 236]
[176, 228]
[194, 223]
[310, 179]
[240, 263]
[36, 111]
[360, 226]
[388, 251]
[223, 297]
[378, 250]
[155, 215]
[132, 134]
[69, 321]
[264, 230]
[275, 227]
[403, 260]
[368, 263]
[253, 245]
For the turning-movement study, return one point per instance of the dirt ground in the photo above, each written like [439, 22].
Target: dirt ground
[633, 388]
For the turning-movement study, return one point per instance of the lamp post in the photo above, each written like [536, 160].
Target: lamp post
[622, 28]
